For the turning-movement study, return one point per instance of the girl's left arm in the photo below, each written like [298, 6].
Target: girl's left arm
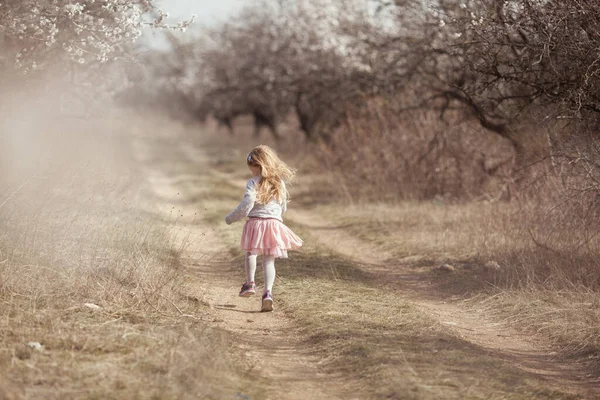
[245, 206]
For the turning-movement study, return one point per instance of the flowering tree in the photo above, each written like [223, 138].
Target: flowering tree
[38, 32]
[72, 51]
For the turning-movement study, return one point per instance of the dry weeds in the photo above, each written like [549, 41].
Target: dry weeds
[369, 334]
[89, 269]
[532, 288]
[377, 341]
[102, 241]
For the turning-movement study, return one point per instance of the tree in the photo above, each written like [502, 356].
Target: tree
[275, 58]
[38, 32]
[506, 60]
[74, 50]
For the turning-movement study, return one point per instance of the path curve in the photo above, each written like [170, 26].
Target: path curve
[532, 355]
[468, 323]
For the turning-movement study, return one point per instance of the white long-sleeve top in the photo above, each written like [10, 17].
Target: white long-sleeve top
[248, 207]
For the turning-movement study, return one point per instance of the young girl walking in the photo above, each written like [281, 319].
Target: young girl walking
[264, 233]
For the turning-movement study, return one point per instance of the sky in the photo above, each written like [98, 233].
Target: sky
[207, 12]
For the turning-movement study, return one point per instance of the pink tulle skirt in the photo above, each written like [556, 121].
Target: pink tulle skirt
[268, 236]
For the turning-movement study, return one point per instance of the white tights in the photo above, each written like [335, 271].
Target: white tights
[268, 270]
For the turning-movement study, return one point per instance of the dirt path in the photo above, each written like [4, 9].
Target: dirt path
[457, 315]
[272, 343]
[274, 352]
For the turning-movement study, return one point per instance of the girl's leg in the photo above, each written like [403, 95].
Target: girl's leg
[250, 267]
[269, 272]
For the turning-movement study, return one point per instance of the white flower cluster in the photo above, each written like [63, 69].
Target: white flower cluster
[83, 31]
[476, 21]
[74, 9]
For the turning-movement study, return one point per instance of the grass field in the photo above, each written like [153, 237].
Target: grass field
[114, 257]
[90, 270]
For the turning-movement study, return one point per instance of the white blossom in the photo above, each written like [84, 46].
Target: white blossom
[74, 9]
[84, 30]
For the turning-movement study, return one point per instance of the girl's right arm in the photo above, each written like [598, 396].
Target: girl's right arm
[245, 206]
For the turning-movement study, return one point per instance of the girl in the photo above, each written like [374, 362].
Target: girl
[264, 233]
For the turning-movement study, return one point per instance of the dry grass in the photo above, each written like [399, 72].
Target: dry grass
[547, 284]
[86, 230]
[435, 229]
[380, 154]
[545, 240]
[368, 333]
[537, 288]
[387, 345]
[79, 227]
[570, 318]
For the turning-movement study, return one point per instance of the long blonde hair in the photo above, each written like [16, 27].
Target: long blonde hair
[273, 172]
